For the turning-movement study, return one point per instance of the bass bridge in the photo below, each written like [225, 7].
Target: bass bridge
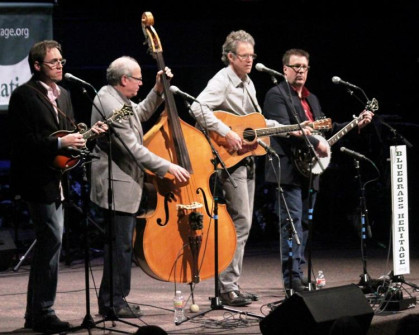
[196, 219]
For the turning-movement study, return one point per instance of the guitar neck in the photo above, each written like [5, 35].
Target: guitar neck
[281, 129]
[276, 130]
[351, 125]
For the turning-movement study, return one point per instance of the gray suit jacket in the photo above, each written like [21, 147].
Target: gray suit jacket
[127, 178]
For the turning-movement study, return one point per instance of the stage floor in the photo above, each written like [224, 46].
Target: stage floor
[341, 263]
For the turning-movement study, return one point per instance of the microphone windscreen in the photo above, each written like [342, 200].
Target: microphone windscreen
[336, 80]
[174, 89]
[259, 67]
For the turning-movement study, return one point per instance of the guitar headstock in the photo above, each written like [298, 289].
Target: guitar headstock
[152, 39]
[322, 124]
[372, 105]
[123, 113]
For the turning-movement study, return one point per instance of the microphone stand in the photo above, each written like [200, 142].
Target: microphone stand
[274, 80]
[292, 233]
[310, 227]
[216, 303]
[88, 322]
[365, 232]
[396, 135]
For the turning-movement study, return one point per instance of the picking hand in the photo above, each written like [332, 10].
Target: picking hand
[179, 172]
[73, 140]
[234, 142]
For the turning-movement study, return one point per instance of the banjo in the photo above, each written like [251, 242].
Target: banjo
[302, 157]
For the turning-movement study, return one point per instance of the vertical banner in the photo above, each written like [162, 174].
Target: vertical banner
[399, 201]
[21, 25]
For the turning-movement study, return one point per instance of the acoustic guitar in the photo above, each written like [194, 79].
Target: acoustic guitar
[250, 127]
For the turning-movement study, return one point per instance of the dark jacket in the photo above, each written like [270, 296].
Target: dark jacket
[277, 106]
[32, 120]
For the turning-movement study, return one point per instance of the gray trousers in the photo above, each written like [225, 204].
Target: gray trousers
[240, 207]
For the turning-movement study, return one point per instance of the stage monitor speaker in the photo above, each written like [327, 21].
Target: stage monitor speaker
[316, 312]
[7, 249]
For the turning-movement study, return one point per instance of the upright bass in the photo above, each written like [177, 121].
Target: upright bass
[175, 240]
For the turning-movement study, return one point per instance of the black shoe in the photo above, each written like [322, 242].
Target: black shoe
[297, 285]
[233, 299]
[129, 312]
[304, 281]
[135, 307]
[247, 295]
[50, 324]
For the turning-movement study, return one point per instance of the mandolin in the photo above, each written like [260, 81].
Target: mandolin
[69, 158]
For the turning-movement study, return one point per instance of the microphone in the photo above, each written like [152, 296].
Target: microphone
[352, 153]
[262, 68]
[74, 79]
[176, 90]
[268, 149]
[336, 80]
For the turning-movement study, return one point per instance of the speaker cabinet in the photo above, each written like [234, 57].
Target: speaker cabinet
[7, 249]
[316, 312]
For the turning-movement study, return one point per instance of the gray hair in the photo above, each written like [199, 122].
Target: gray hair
[230, 44]
[122, 66]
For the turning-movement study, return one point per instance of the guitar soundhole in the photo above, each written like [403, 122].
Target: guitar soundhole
[249, 135]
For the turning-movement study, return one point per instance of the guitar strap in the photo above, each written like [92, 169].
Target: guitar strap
[60, 112]
[290, 104]
[255, 105]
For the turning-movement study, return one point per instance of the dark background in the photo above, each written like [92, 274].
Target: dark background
[373, 47]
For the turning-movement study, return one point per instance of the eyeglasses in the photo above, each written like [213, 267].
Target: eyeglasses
[138, 79]
[299, 67]
[246, 56]
[54, 63]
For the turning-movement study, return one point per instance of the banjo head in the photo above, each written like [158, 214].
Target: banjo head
[302, 159]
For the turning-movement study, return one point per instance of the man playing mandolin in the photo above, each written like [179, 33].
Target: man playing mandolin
[38, 109]
[295, 186]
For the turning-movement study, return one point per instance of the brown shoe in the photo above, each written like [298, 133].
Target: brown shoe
[233, 299]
